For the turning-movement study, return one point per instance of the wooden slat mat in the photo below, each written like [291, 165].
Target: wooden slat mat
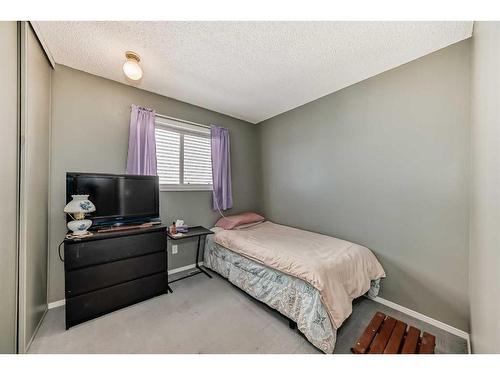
[386, 335]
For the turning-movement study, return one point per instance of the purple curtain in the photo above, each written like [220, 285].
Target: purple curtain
[221, 168]
[141, 144]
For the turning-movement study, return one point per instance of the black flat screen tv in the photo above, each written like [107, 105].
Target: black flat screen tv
[119, 199]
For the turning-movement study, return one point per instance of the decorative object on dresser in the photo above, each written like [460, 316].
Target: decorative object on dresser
[192, 232]
[386, 335]
[77, 208]
[109, 271]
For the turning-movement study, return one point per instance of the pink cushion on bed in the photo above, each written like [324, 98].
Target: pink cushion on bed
[230, 222]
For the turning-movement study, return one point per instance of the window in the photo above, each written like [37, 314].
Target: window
[183, 155]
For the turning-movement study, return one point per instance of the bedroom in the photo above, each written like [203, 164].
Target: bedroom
[372, 188]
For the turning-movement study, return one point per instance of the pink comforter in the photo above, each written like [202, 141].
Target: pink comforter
[338, 269]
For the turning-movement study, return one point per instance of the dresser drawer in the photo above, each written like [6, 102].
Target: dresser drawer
[90, 305]
[91, 278]
[82, 254]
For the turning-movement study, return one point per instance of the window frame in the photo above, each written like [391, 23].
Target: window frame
[183, 128]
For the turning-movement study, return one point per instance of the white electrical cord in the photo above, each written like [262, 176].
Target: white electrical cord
[217, 204]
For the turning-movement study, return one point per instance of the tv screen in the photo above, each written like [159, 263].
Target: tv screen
[117, 198]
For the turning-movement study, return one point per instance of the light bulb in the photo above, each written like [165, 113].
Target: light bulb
[131, 67]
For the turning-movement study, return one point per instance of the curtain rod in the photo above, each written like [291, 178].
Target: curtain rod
[181, 120]
[184, 121]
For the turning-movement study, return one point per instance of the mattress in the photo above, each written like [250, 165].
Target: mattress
[340, 270]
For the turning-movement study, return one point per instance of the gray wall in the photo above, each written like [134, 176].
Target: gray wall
[384, 163]
[485, 206]
[34, 185]
[8, 186]
[90, 126]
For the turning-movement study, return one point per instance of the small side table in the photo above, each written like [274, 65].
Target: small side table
[199, 232]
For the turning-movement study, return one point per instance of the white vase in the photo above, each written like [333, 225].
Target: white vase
[79, 227]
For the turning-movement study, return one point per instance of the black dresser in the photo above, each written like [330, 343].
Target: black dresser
[108, 271]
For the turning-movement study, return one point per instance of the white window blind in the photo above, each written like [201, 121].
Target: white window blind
[197, 160]
[183, 154]
[168, 150]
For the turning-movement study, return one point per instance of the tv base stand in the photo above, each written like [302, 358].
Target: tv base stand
[126, 227]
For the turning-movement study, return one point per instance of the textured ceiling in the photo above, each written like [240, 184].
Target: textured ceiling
[249, 70]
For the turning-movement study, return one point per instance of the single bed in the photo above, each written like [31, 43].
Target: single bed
[308, 277]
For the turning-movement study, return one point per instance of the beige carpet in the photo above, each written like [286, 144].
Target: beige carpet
[207, 316]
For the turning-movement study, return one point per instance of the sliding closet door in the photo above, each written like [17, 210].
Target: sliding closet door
[8, 185]
[34, 184]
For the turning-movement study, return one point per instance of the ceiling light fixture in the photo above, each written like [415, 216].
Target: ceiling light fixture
[131, 67]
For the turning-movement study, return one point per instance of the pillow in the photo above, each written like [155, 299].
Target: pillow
[230, 222]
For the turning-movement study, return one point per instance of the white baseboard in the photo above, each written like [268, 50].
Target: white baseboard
[436, 323]
[185, 268]
[53, 305]
[62, 302]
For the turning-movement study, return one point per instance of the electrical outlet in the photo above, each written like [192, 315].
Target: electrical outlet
[174, 249]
